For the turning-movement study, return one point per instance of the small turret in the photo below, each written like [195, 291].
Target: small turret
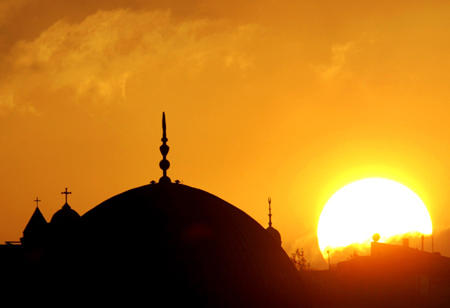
[272, 231]
[35, 231]
[65, 217]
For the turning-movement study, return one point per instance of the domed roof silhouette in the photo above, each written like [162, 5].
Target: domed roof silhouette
[174, 244]
[190, 242]
[65, 216]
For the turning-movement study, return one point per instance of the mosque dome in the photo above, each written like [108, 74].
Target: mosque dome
[178, 245]
[191, 243]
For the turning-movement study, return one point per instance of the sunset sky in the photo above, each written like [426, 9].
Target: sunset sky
[262, 98]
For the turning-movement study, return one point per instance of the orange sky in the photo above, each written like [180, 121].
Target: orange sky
[262, 98]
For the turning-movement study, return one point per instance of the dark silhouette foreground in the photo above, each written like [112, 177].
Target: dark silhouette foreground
[163, 244]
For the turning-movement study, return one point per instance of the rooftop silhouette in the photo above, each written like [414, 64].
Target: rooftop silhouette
[167, 242]
[170, 243]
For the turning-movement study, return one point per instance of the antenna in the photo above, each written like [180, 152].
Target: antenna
[329, 262]
[432, 242]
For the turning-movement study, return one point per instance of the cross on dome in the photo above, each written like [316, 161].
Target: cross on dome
[66, 192]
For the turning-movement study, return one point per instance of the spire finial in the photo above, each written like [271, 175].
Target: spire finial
[37, 201]
[66, 192]
[164, 149]
[270, 212]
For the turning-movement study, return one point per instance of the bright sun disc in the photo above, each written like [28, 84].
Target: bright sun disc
[365, 207]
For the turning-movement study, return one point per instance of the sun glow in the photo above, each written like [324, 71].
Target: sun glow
[365, 207]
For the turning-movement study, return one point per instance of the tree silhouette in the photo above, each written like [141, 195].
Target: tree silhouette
[299, 260]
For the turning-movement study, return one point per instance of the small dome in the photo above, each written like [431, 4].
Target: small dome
[275, 234]
[65, 216]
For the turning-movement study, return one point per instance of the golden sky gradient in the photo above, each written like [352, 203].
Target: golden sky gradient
[262, 98]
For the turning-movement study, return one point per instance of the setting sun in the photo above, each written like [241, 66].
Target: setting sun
[365, 207]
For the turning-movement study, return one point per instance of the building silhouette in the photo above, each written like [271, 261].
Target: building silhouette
[391, 276]
[35, 232]
[168, 244]
[164, 244]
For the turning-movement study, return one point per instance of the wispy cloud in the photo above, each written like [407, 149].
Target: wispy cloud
[339, 57]
[95, 58]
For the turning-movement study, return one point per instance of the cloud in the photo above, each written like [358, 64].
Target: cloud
[95, 58]
[339, 57]
[6, 102]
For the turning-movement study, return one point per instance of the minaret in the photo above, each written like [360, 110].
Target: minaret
[164, 164]
[270, 212]
[272, 231]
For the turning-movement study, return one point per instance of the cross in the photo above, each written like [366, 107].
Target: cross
[66, 193]
[37, 201]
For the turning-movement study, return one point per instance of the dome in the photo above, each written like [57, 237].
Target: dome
[275, 234]
[176, 245]
[184, 246]
[65, 216]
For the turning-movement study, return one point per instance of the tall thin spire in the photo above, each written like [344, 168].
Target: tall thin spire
[432, 242]
[164, 164]
[270, 212]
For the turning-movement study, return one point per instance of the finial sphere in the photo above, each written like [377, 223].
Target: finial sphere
[164, 164]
